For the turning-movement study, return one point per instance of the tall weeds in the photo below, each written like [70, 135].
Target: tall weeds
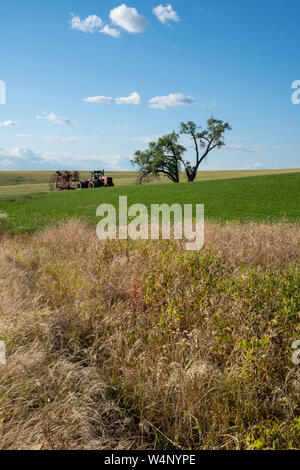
[142, 344]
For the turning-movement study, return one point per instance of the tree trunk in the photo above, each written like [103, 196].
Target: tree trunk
[190, 175]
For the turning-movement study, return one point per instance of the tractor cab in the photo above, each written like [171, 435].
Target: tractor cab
[98, 179]
[97, 175]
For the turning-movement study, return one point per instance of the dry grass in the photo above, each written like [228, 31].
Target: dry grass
[194, 346]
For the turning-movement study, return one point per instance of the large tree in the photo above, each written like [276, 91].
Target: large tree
[166, 156]
[161, 157]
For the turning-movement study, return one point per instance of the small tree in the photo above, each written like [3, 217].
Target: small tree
[164, 157]
[207, 139]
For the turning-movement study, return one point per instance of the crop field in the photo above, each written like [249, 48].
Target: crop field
[142, 344]
[261, 198]
[21, 183]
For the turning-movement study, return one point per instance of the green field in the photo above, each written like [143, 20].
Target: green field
[14, 184]
[268, 198]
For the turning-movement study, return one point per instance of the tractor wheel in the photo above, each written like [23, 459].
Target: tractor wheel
[78, 186]
[91, 185]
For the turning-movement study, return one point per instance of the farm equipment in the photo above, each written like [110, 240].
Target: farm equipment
[64, 181]
[69, 180]
[97, 180]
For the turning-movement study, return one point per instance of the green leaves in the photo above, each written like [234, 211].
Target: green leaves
[208, 139]
[166, 156]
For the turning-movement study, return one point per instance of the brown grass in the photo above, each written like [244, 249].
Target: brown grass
[143, 345]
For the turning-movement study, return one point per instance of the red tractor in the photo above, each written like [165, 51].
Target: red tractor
[97, 180]
[69, 180]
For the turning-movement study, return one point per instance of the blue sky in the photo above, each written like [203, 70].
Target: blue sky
[65, 76]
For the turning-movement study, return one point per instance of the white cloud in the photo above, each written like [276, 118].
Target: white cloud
[9, 123]
[5, 162]
[99, 99]
[128, 19]
[146, 139]
[52, 138]
[252, 148]
[88, 25]
[13, 153]
[18, 156]
[65, 140]
[242, 148]
[171, 101]
[256, 166]
[113, 32]
[134, 98]
[165, 14]
[122, 126]
[58, 120]
[21, 158]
